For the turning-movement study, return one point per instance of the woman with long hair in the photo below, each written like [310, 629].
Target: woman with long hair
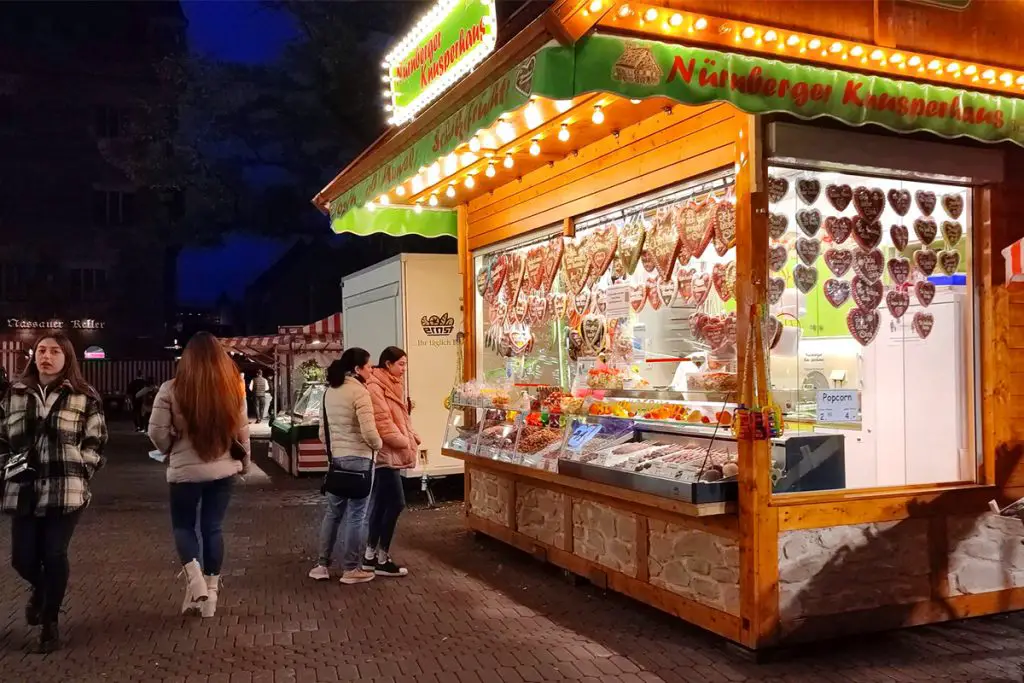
[200, 423]
[391, 411]
[52, 433]
[352, 438]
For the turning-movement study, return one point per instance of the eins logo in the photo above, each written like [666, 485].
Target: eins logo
[437, 326]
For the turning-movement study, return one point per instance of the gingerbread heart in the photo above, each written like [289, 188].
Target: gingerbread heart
[663, 242]
[520, 308]
[714, 332]
[866, 294]
[863, 325]
[723, 277]
[777, 189]
[838, 228]
[925, 201]
[837, 291]
[772, 331]
[697, 321]
[808, 189]
[839, 261]
[533, 278]
[923, 323]
[637, 296]
[497, 313]
[538, 309]
[866, 233]
[601, 299]
[647, 255]
[926, 230]
[575, 267]
[592, 329]
[481, 280]
[899, 200]
[805, 277]
[498, 270]
[696, 228]
[949, 261]
[925, 292]
[809, 220]
[897, 301]
[684, 283]
[953, 204]
[777, 257]
[839, 196]
[582, 301]
[808, 250]
[900, 236]
[631, 243]
[667, 292]
[516, 265]
[558, 305]
[869, 265]
[952, 231]
[869, 202]
[777, 225]
[899, 270]
[776, 287]
[724, 226]
[701, 288]
[602, 243]
[926, 260]
[654, 292]
[552, 261]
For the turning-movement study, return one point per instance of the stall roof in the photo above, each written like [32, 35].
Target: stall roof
[322, 335]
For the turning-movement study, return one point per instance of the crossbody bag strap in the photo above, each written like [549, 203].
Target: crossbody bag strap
[327, 429]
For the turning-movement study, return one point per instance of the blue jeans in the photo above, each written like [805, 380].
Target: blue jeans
[207, 500]
[355, 523]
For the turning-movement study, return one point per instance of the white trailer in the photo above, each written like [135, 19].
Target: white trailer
[413, 301]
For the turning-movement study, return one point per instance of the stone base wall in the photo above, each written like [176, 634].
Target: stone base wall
[540, 514]
[987, 554]
[489, 496]
[604, 535]
[695, 564]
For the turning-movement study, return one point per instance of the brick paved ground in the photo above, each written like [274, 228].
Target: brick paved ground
[472, 611]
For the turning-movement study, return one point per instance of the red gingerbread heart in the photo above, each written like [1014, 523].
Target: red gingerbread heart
[684, 283]
[869, 264]
[809, 220]
[869, 202]
[581, 302]
[808, 250]
[498, 270]
[952, 231]
[725, 226]
[805, 277]
[899, 200]
[925, 260]
[839, 261]
[575, 266]
[808, 189]
[900, 236]
[925, 292]
[552, 261]
[923, 323]
[533, 278]
[667, 292]
[637, 296]
[697, 322]
[837, 291]
[776, 287]
[838, 228]
[516, 265]
[772, 331]
[925, 229]
[654, 293]
[602, 244]
[777, 225]
[696, 228]
[663, 243]
[867, 295]
[925, 201]
[482, 279]
[953, 204]
[899, 270]
[867, 233]
[897, 301]
[723, 276]
[631, 243]
[538, 309]
[863, 325]
[777, 257]
[777, 189]
[949, 261]
[714, 333]
[558, 305]
[701, 288]
[497, 313]
[839, 196]
[517, 313]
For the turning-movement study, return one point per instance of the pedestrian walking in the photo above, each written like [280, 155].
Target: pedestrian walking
[134, 387]
[199, 421]
[260, 388]
[391, 413]
[146, 397]
[52, 433]
[348, 430]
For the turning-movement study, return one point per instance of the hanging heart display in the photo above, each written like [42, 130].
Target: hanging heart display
[772, 331]
[552, 261]
[839, 196]
[601, 299]
[863, 325]
[777, 189]
[538, 309]
[519, 310]
[482, 278]
[696, 228]
[517, 341]
[498, 270]
[668, 291]
[723, 277]
[809, 220]
[697, 321]
[516, 264]
[949, 261]
[776, 288]
[839, 261]
[899, 270]
[701, 288]
[684, 284]
[925, 292]
[725, 226]
[714, 332]
[897, 301]
[808, 250]
[654, 293]
[899, 200]
[926, 230]
[647, 254]
[777, 225]
[582, 301]
[900, 236]
[637, 296]
[952, 231]
[953, 204]
[867, 234]
[838, 228]
[867, 295]
[601, 243]
[558, 305]
[777, 257]
[808, 189]
[869, 202]
[631, 243]
[805, 277]
[926, 260]
[497, 313]
[837, 291]
[533, 278]
[663, 242]
[869, 265]
[925, 201]
[575, 267]
[923, 323]
[592, 329]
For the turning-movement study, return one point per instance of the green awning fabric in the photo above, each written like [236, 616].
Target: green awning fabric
[397, 221]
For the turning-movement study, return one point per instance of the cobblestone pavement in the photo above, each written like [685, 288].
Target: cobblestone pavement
[471, 611]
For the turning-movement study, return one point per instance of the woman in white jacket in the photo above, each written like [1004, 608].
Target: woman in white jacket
[353, 440]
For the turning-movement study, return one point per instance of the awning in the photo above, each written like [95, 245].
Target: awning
[12, 357]
[397, 222]
[322, 335]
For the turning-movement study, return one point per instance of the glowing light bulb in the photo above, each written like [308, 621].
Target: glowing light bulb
[433, 199]
[952, 66]
[896, 58]
[634, 101]
[793, 40]
[771, 36]
[595, 6]
[857, 51]
[563, 106]
[700, 24]
[400, 190]
[814, 44]
[474, 144]
[877, 55]
[451, 163]
[506, 131]
[988, 74]
[747, 33]
[534, 148]
[676, 20]
[383, 200]
[370, 206]
[914, 61]
[935, 65]
[970, 70]
[563, 133]
[651, 14]
[490, 170]
[418, 208]
[836, 47]
[625, 11]
[598, 115]
[451, 190]
[417, 185]
[509, 162]
[533, 116]
[470, 182]
[1006, 77]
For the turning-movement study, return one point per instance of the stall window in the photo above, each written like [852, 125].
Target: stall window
[871, 329]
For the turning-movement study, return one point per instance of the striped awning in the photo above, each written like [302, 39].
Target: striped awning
[329, 327]
[12, 357]
[323, 335]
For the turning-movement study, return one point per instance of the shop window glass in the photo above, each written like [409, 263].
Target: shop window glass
[871, 329]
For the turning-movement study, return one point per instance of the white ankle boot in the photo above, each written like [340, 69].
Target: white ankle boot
[195, 586]
[209, 607]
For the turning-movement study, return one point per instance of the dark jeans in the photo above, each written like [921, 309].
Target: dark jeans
[261, 406]
[39, 553]
[137, 415]
[207, 500]
[387, 500]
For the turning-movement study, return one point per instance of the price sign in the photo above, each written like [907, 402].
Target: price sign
[618, 301]
[581, 434]
[838, 405]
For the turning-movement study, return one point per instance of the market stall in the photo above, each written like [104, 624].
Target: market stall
[13, 356]
[299, 356]
[738, 341]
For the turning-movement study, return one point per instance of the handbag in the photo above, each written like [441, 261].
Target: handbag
[344, 481]
[237, 450]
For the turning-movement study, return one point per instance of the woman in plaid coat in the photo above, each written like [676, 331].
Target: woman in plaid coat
[52, 434]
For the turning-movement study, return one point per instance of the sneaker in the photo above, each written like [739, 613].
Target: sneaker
[49, 639]
[33, 610]
[356, 576]
[369, 562]
[389, 568]
[320, 573]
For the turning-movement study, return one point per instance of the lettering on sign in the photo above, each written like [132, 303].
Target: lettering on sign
[55, 324]
[838, 405]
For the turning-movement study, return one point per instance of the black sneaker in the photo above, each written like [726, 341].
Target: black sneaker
[33, 610]
[369, 563]
[389, 568]
[49, 639]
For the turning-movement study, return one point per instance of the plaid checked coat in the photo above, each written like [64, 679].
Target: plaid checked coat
[69, 446]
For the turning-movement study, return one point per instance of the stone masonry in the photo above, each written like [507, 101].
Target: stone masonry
[695, 564]
[540, 515]
[489, 496]
[987, 554]
[604, 535]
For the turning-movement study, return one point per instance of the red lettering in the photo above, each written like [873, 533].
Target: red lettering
[851, 93]
[801, 92]
[682, 69]
[770, 86]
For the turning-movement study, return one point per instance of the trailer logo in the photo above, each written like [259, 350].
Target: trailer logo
[437, 326]
[638, 66]
[524, 79]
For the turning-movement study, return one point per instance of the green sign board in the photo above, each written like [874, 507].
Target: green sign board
[453, 37]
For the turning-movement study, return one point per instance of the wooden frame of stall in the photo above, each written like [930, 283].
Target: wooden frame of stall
[749, 539]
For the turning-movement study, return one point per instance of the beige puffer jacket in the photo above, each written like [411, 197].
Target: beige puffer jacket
[350, 418]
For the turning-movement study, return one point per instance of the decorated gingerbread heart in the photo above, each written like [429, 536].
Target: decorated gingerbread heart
[558, 305]
[776, 287]
[925, 201]
[949, 261]
[922, 323]
[952, 231]
[684, 283]
[637, 296]
[647, 255]
[926, 260]
[839, 196]
[867, 233]
[537, 311]
[592, 329]
[654, 292]
[899, 270]
[867, 295]
[805, 277]
[482, 278]
[777, 257]
[926, 230]
[497, 313]
[899, 200]
[808, 189]
[772, 331]
[518, 311]
[838, 228]
[696, 227]
[897, 301]
[869, 202]
[837, 291]
[602, 243]
[925, 292]
[839, 261]
[863, 325]
[582, 301]
[809, 221]
[575, 267]
[663, 242]
[900, 236]
[777, 225]
[714, 332]
[533, 278]
[631, 243]
[498, 270]
[552, 262]
[723, 277]
[701, 288]
[869, 265]
[667, 292]
[516, 264]
[953, 205]
[697, 322]
[808, 250]
[601, 299]
[724, 226]
[777, 189]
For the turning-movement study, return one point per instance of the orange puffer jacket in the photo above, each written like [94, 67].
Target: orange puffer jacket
[391, 413]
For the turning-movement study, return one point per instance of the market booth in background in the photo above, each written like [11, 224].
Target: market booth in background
[738, 341]
[299, 356]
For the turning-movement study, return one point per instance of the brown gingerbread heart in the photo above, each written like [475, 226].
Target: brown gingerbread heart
[777, 257]
[949, 261]
[925, 292]
[839, 261]
[695, 227]
[558, 305]
[808, 189]
[684, 283]
[518, 311]
[637, 296]
[869, 202]
[923, 323]
[552, 261]
[575, 266]
[631, 243]
[777, 225]
[723, 277]
[646, 254]
[863, 325]
[701, 288]
[897, 301]
[869, 265]
[602, 243]
[839, 196]
[663, 242]
[837, 291]
[724, 227]
[866, 294]
[925, 201]
[481, 280]
[808, 250]
[654, 292]
[805, 277]
[952, 231]
[776, 287]
[772, 331]
[537, 309]
[777, 189]
[601, 299]
[899, 270]
[838, 228]
[809, 220]
[926, 260]
[926, 230]
[714, 332]
[533, 278]
[900, 236]
[498, 270]
[899, 200]
[867, 234]
[592, 328]
[581, 302]
[668, 291]
[516, 265]
[953, 205]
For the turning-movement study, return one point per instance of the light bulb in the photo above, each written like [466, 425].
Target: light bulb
[836, 47]
[814, 44]
[598, 115]
[952, 66]
[676, 20]
[634, 101]
[857, 51]
[370, 206]
[474, 144]
[563, 106]
[595, 6]
[877, 55]
[625, 11]
[651, 14]
[417, 185]
[451, 164]
[506, 131]
[563, 133]
[792, 40]
[383, 200]
[935, 65]
[700, 24]
[509, 162]
[988, 74]
[914, 61]
[470, 182]
[490, 170]
[533, 116]
[400, 190]
[433, 199]
[970, 70]
[419, 207]
[534, 148]
[451, 190]
[748, 33]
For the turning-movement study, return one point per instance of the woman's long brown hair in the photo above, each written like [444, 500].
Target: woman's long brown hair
[72, 372]
[209, 395]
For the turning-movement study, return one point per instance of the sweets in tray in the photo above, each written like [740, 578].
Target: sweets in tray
[685, 462]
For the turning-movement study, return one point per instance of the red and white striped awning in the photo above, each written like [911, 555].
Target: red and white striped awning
[323, 335]
[329, 327]
[12, 357]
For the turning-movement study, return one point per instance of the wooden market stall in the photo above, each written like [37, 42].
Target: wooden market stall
[738, 341]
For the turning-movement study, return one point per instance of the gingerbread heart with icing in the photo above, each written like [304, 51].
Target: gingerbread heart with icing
[552, 261]
[863, 325]
[777, 225]
[646, 255]
[839, 261]
[516, 265]
[697, 322]
[724, 226]
[537, 310]
[869, 202]
[498, 270]
[701, 288]
[601, 299]
[663, 242]
[869, 265]
[926, 260]
[777, 189]
[839, 196]
[809, 221]
[695, 228]
[558, 305]
[684, 283]
[777, 257]
[533, 278]
[519, 309]
[866, 294]
[654, 293]
[772, 331]
[776, 287]
[667, 291]
[592, 329]
[631, 243]
[925, 201]
[637, 296]
[575, 267]
[925, 292]
[808, 190]
[497, 313]
[867, 233]
[714, 332]
[601, 244]
[805, 277]
[953, 205]
[897, 301]
[899, 270]
[952, 231]
[482, 278]
[900, 236]
[838, 228]
[923, 323]
[723, 277]
[926, 230]
[836, 291]
[582, 301]
[808, 250]
[899, 200]
[949, 261]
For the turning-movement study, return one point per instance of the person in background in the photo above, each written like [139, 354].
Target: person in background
[353, 439]
[260, 387]
[55, 421]
[5, 382]
[134, 387]
[199, 421]
[145, 397]
[391, 412]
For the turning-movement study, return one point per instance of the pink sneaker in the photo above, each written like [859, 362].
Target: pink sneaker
[356, 576]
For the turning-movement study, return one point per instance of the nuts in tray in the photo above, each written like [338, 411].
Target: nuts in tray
[533, 439]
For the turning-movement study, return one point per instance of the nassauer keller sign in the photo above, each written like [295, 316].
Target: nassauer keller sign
[55, 324]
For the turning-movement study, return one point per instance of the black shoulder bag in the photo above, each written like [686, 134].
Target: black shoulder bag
[352, 482]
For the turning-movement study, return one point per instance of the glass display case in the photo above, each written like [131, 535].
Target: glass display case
[309, 402]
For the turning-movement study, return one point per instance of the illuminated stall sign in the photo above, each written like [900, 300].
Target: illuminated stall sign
[55, 324]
